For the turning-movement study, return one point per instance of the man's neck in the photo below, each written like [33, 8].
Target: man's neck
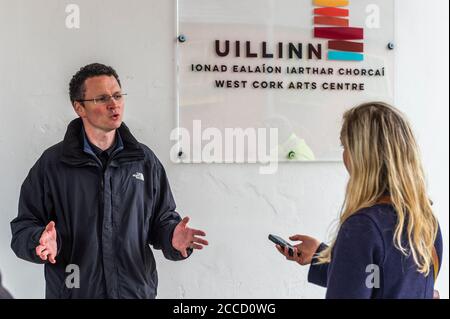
[103, 140]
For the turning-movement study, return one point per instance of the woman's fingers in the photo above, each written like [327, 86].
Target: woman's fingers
[297, 254]
[281, 250]
[278, 247]
[286, 253]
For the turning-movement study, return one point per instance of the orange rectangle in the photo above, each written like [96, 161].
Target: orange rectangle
[331, 3]
[331, 21]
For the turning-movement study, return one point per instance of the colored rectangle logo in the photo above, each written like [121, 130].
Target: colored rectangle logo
[345, 56]
[344, 41]
[331, 12]
[331, 21]
[346, 46]
[339, 33]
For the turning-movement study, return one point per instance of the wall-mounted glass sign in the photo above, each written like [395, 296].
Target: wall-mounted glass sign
[245, 67]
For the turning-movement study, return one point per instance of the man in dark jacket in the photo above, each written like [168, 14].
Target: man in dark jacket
[93, 203]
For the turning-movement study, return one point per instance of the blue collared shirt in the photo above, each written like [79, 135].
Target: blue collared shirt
[102, 156]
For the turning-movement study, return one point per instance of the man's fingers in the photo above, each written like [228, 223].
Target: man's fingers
[200, 241]
[44, 238]
[198, 232]
[195, 246]
[40, 249]
[298, 237]
[44, 254]
[184, 253]
[52, 258]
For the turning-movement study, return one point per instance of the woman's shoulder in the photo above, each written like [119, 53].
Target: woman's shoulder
[362, 232]
[374, 223]
[381, 215]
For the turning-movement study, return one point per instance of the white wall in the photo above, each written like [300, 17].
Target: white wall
[233, 203]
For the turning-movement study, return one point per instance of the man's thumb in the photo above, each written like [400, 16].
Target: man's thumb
[50, 226]
[185, 221]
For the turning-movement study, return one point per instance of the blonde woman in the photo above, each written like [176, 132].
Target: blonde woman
[388, 236]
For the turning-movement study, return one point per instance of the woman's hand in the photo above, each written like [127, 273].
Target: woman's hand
[304, 252]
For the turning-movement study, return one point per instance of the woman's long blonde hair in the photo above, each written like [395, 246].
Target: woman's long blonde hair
[383, 157]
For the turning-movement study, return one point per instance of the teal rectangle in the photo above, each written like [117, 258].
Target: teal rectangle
[345, 56]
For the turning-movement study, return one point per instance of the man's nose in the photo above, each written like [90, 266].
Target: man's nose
[112, 104]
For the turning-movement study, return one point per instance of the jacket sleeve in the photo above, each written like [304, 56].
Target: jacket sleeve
[318, 274]
[438, 244]
[355, 268]
[35, 207]
[164, 217]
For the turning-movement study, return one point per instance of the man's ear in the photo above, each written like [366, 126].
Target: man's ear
[79, 109]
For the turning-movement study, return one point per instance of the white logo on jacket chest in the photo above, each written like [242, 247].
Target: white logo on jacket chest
[139, 176]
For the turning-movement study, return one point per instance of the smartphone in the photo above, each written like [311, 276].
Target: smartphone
[283, 243]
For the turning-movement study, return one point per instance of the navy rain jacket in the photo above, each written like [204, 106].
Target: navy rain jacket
[106, 218]
[364, 249]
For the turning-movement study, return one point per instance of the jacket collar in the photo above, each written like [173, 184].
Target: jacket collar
[74, 148]
[92, 149]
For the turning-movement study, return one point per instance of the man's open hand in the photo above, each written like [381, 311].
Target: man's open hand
[48, 247]
[185, 237]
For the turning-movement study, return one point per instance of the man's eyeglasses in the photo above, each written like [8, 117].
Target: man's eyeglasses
[106, 99]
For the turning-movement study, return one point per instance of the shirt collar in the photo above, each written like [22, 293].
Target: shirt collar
[90, 148]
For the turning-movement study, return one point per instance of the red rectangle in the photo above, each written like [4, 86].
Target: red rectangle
[346, 46]
[331, 12]
[331, 21]
[339, 33]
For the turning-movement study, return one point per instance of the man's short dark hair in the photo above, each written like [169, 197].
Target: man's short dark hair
[77, 88]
